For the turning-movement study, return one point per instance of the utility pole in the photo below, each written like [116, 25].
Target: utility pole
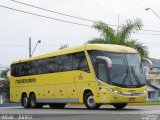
[30, 47]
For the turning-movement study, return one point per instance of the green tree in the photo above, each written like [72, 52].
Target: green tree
[63, 47]
[4, 74]
[121, 36]
[5, 87]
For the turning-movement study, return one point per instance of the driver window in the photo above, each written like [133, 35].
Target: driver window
[102, 72]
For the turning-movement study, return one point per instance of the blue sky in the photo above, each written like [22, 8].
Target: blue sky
[17, 27]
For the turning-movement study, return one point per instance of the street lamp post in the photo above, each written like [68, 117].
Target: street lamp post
[30, 48]
[147, 9]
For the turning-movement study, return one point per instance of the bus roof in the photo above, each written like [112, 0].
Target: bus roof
[103, 47]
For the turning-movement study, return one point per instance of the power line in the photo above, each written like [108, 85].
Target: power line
[51, 11]
[44, 16]
[146, 33]
[150, 30]
[70, 15]
[57, 19]
[57, 12]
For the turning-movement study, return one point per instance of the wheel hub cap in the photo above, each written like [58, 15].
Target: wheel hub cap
[90, 101]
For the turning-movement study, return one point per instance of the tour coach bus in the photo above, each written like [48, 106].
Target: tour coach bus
[93, 74]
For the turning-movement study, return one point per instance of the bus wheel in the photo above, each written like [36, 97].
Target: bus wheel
[33, 102]
[120, 105]
[57, 105]
[89, 101]
[25, 101]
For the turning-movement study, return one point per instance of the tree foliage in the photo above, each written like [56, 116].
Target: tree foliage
[4, 88]
[108, 35]
[4, 74]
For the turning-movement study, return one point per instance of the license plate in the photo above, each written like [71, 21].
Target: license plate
[132, 99]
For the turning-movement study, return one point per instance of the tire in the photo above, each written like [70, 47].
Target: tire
[120, 106]
[33, 102]
[89, 101]
[57, 105]
[25, 101]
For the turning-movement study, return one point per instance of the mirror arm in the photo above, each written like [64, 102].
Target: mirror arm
[108, 61]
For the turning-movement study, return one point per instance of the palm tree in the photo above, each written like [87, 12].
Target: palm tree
[122, 36]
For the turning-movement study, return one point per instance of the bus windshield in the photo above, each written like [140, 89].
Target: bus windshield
[127, 70]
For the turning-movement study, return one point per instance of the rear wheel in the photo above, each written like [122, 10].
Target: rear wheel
[33, 102]
[89, 101]
[57, 105]
[25, 101]
[120, 105]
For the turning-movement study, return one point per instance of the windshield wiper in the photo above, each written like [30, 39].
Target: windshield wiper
[134, 75]
[125, 76]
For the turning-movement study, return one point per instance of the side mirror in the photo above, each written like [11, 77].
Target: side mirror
[107, 60]
[147, 62]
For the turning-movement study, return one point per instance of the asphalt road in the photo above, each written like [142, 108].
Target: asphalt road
[81, 113]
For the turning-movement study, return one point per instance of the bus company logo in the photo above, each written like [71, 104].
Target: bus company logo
[80, 77]
[29, 80]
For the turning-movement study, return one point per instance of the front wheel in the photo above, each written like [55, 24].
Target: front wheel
[89, 101]
[120, 106]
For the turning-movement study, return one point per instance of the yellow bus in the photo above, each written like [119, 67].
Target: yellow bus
[93, 74]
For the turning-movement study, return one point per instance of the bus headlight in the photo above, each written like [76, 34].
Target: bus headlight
[112, 90]
[127, 93]
[115, 91]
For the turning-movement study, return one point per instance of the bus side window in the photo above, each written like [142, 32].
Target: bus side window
[19, 69]
[80, 62]
[52, 64]
[14, 68]
[40, 66]
[31, 68]
[67, 60]
[60, 63]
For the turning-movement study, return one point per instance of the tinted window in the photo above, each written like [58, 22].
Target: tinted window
[65, 62]
[80, 62]
[14, 70]
[93, 54]
[76, 61]
[52, 64]
[40, 66]
[102, 75]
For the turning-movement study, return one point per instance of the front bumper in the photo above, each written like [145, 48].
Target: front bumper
[109, 96]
